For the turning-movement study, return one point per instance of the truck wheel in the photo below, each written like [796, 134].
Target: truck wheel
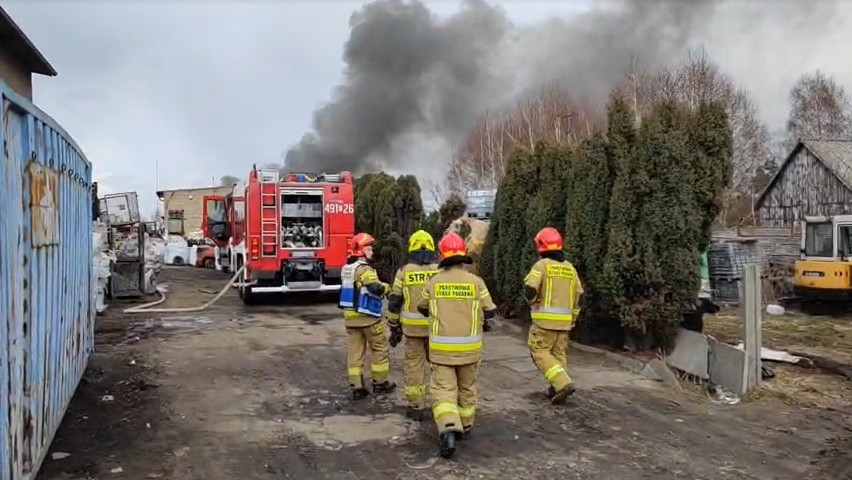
[246, 295]
[210, 263]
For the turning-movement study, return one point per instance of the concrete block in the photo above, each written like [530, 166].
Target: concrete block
[691, 354]
[656, 369]
[727, 366]
[586, 348]
[632, 364]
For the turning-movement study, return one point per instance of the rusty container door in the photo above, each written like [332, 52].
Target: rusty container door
[46, 308]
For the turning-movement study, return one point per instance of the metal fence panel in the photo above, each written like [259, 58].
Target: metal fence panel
[46, 318]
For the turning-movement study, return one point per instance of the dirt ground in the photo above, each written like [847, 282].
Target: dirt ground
[260, 393]
[798, 333]
[827, 335]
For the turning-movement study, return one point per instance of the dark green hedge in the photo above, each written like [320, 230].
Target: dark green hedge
[390, 209]
[636, 206]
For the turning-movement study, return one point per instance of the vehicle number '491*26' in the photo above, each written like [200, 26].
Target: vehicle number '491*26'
[339, 207]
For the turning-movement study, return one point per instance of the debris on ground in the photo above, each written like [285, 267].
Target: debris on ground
[828, 365]
[773, 355]
[718, 394]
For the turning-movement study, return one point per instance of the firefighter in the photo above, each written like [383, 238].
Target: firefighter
[459, 308]
[402, 305]
[553, 290]
[361, 296]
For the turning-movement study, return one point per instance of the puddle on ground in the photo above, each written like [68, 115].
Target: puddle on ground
[167, 324]
[317, 318]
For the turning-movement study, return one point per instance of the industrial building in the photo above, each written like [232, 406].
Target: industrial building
[183, 209]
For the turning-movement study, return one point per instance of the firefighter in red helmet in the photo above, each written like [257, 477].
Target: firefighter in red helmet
[459, 308]
[553, 290]
[361, 296]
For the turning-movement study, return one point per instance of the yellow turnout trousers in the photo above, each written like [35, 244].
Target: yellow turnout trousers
[360, 340]
[414, 373]
[454, 399]
[548, 349]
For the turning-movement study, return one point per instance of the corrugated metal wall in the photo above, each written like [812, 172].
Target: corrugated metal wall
[46, 310]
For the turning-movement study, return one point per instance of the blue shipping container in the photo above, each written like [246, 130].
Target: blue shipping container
[46, 310]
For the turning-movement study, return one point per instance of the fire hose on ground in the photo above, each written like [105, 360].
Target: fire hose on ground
[146, 308]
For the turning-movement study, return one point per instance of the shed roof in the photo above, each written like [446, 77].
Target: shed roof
[836, 155]
[14, 38]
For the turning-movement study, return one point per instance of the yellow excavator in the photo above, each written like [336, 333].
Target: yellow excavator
[824, 271]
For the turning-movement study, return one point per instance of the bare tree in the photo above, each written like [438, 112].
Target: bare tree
[229, 181]
[438, 191]
[819, 108]
[752, 152]
[697, 80]
[551, 114]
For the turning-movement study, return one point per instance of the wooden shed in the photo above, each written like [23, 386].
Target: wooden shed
[815, 179]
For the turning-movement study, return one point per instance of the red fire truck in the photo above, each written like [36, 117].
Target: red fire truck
[291, 233]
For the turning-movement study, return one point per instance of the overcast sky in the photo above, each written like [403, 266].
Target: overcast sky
[206, 88]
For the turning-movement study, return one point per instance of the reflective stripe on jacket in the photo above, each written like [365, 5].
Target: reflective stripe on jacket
[456, 299]
[409, 283]
[559, 289]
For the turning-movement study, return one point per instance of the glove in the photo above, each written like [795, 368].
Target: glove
[395, 335]
[487, 326]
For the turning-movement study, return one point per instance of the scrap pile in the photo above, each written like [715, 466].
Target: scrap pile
[102, 259]
[130, 257]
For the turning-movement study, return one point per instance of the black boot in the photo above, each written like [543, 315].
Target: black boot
[448, 444]
[385, 387]
[468, 431]
[415, 414]
[360, 393]
[550, 392]
[562, 395]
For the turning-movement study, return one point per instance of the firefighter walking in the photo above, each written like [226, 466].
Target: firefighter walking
[459, 308]
[404, 319]
[553, 290]
[361, 296]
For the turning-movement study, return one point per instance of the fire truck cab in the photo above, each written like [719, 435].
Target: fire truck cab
[291, 232]
[223, 222]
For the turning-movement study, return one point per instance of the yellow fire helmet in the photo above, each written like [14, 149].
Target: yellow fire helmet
[421, 240]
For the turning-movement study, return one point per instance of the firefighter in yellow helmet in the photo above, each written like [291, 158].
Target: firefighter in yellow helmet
[404, 318]
[459, 308]
[361, 296]
[553, 290]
